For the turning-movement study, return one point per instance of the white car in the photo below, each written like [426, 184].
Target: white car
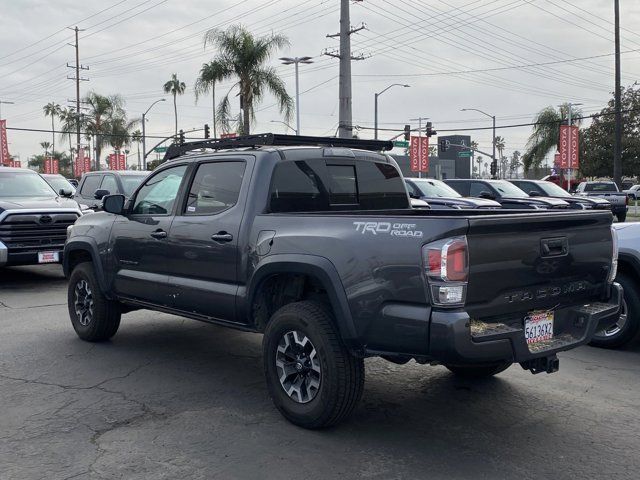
[633, 192]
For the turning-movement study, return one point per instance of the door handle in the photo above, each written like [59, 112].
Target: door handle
[159, 234]
[222, 237]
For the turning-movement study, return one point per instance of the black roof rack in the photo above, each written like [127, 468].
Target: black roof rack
[176, 150]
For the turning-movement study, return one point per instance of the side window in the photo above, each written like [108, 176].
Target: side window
[297, 186]
[411, 188]
[477, 188]
[158, 194]
[109, 183]
[461, 187]
[90, 185]
[215, 188]
[343, 184]
[380, 186]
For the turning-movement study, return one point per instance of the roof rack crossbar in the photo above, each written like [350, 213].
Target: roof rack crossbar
[250, 141]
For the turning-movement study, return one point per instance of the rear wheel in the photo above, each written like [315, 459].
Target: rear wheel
[312, 377]
[478, 371]
[94, 317]
[627, 328]
[621, 217]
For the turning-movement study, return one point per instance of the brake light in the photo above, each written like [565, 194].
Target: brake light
[447, 270]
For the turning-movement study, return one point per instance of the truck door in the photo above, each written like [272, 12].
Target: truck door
[203, 240]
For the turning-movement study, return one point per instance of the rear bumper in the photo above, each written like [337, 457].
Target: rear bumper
[452, 340]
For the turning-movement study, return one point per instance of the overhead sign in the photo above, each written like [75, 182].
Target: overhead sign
[5, 158]
[401, 144]
[82, 163]
[568, 147]
[450, 147]
[160, 149]
[51, 165]
[419, 154]
[117, 161]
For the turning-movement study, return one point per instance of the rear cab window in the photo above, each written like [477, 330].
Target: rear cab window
[90, 185]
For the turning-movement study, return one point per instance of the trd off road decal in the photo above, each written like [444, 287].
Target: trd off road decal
[388, 228]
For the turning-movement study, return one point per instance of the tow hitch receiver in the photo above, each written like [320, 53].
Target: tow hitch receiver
[549, 364]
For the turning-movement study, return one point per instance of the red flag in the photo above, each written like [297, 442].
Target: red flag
[5, 158]
[568, 147]
[419, 154]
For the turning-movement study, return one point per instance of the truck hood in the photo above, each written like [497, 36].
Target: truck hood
[37, 203]
[455, 202]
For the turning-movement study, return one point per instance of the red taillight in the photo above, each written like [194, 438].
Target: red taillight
[447, 269]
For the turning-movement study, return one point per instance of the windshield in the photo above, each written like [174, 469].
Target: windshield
[553, 190]
[59, 183]
[435, 188]
[130, 183]
[24, 184]
[601, 187]
[507, 189]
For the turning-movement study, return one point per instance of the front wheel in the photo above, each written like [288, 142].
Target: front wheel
[94, 317]
[312, 377]
[627, 328]
[622, 217]
[478, 371]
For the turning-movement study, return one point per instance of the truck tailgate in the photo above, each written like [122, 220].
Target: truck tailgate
[537, 262]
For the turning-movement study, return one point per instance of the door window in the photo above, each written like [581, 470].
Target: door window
[215, 188]
[297, 186]
[90, 185]
[158, 195]
[477, 188]
[109, 183]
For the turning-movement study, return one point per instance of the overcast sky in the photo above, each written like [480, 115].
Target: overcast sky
[132, 47]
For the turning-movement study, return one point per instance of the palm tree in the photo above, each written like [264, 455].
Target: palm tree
[45, 146]
[243, 56]
[102, 110]
[137, 138]
[479, 161]
[210, 73]
[120, 132]
[514, 163]
[500, 144]
[546, 132]
[52, 110]
[174, 87]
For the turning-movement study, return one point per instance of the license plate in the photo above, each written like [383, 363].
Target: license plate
[538, 326]
[48, 257]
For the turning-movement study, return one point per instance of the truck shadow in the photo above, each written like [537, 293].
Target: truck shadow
[26, 277]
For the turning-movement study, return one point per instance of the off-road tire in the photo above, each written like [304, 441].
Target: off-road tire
[630, 332]
[478, 371]
[622, 217]
[105, 316]
[342, 374]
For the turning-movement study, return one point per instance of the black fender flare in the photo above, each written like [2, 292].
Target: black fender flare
[88, 245]
[318, 267]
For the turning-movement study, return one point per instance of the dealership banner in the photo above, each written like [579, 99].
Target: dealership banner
[5, 158]
[82, 163]
[51, 165]
[568, 147]
[117, 161]
[419, 154]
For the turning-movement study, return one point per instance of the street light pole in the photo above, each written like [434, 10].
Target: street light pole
[376, 105]
[494, 160]
[296, 61]
[144, 141]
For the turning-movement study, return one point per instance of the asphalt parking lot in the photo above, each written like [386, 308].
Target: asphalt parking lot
[173, 398]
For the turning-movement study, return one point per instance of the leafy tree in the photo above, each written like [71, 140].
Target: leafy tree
[99, 121]
[52, 110]
[546, 132]
[64, 162]
[120, 130]
[597, 141]
[174, 87]
[243, 57]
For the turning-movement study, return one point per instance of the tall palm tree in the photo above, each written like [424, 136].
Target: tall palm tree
[102, 110]
[500, 144]
[52, 110]
[45, 146]
[136, 137]
[120, 131]
[174, 87]
[210, 73]
[479, 161]
[243, 57]
[546, 132]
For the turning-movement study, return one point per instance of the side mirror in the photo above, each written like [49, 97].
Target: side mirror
[487, 195]
[413, 195]
[63, 192]
[100, 194]
[533, 193]
[113, 204]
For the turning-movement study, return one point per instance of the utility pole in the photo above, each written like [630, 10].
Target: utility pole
[78, 79]
[617, 145]
[345, 120]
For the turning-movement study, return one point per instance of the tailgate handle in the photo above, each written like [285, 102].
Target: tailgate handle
[554, 247]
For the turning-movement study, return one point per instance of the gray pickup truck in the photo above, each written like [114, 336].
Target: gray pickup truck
[311, 242]
[609, 191]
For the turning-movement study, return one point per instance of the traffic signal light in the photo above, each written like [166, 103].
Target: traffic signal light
[494, 169]
[444, 144]
[430, 131]
[206, 131]
[407, 132]
[181, 137]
